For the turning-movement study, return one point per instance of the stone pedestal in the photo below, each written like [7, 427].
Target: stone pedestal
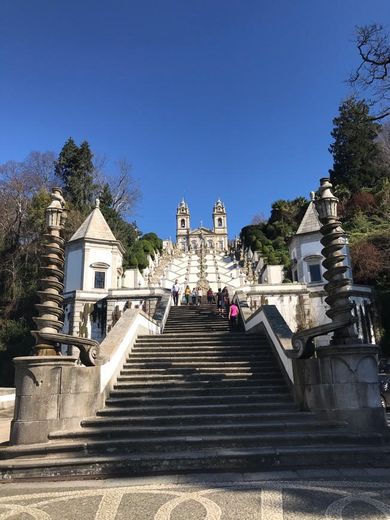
[52, 393]
[342, 382]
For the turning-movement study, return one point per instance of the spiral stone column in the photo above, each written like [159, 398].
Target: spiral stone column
[339, 284]
[53, 392]
[51, 285]
[342, 379]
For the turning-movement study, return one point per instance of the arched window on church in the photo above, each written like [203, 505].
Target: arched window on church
[183, 223]
[219, 222]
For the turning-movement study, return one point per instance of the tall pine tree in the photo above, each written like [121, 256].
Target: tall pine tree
[75, 169]
[356, 156]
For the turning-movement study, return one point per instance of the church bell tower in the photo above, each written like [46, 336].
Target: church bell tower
[182, 225]
[220, 225]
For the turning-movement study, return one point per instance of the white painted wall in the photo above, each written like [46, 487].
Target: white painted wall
[272, 274]
[302, 247]
[101, 253]
[133, 279]
[73, 269]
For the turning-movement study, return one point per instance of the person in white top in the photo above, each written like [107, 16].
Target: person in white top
[175, 292]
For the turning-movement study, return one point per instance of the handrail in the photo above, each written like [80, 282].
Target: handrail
[118, 343]
[268, 319]
[89, 348]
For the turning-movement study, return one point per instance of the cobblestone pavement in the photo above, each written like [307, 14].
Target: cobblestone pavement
[344, 494]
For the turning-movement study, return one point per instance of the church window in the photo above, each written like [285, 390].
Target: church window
[183, 223]
[219, 222]
[100, 280]
[315, 273]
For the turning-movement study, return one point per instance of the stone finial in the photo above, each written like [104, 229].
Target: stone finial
[325, 201]
[97, 202]
[55, 212]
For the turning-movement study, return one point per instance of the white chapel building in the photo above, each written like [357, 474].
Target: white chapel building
[95, 256]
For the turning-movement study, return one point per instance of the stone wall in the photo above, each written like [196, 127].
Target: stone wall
[304, 306]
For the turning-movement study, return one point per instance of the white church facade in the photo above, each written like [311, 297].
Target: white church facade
[202, 237]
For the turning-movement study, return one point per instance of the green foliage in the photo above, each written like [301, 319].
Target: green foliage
[356, 155]
[146, 246]
[270, 237]
[154, 240]
[361, 174]
[75, 170]
[15, 340]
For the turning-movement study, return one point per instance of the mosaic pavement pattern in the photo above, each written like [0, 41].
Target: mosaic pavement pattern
[282, 500]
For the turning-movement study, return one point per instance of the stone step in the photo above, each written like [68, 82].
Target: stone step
[212, 369]
[199, 378]
[209, 357]
[214, 459]
[180, 385]
[217, 336]
[191, 339]
[219, 322]
[182, 348]
[189, 365]
[211, 342]
[192, 317]
[163, 357]
[211, 399]
[297, 423]
[196, 409]
[194, 331]
[187, 419]
[186, 443]
[178, 390]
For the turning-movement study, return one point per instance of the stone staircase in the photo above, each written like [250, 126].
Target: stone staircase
[197, 398]
[209, 269]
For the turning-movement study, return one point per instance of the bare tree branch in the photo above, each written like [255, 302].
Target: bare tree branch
[123, 187]
[259, 218]
[372, 73]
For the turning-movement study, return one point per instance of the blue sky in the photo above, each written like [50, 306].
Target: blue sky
[206, 98]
